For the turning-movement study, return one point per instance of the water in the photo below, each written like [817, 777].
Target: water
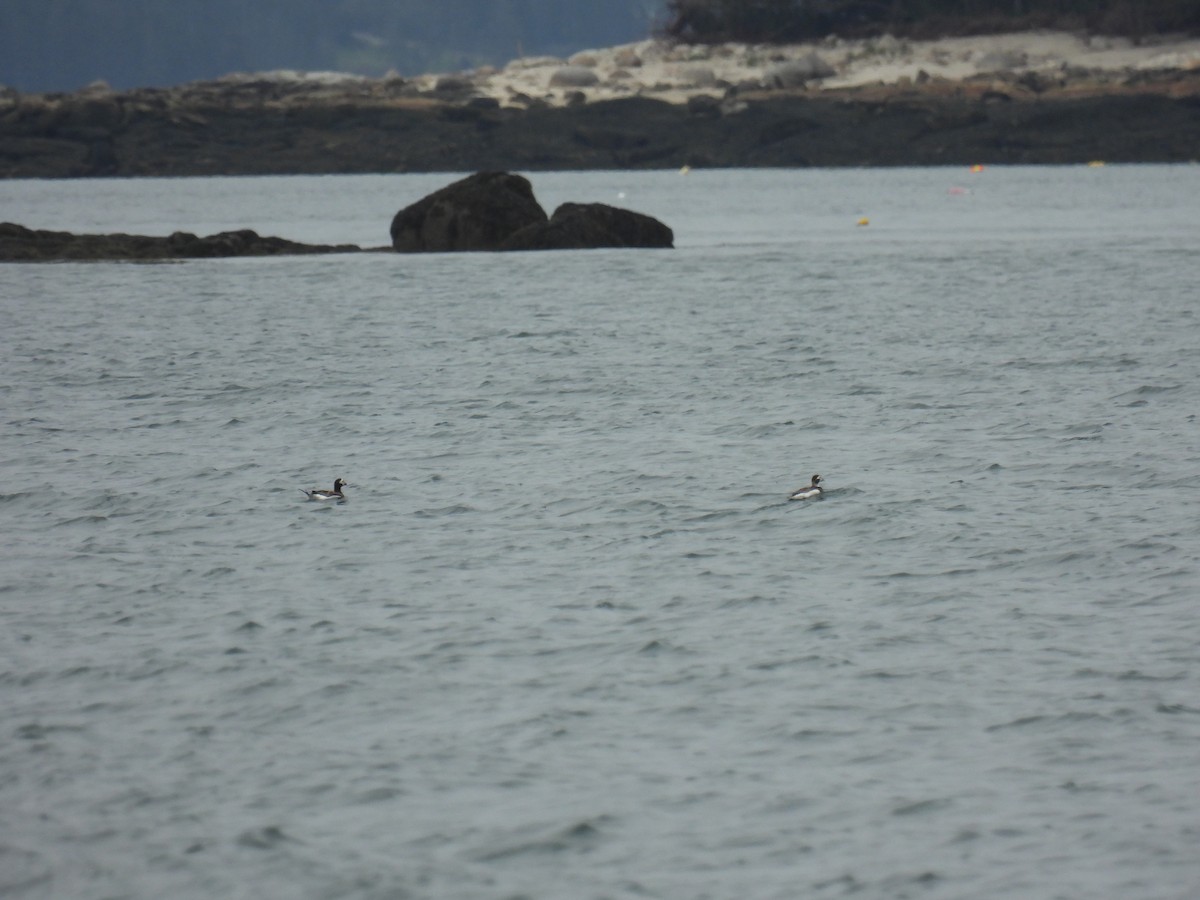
[567, 638]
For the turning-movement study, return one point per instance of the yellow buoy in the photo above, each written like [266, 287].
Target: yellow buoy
[977, 168]
[863, 221]
[1096, 164]
[684, 170]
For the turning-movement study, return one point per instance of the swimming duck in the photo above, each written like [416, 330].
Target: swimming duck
[335, 494]
[807, 493]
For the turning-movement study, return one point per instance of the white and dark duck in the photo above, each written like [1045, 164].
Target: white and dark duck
[335, 494]
[809, 492]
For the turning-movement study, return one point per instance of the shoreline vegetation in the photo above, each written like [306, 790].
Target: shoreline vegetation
[794, 21]
[877, 89]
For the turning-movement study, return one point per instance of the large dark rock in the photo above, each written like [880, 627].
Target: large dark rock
[497, 211]
[479, 212]
[581, 226]
[21, 244]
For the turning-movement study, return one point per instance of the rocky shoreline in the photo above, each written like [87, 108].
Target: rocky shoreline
[21, 244]
[1007, 99]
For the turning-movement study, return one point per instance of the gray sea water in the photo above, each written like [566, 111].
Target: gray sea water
[567, 638]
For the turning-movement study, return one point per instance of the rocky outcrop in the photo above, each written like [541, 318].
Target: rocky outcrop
[798, 73]
[574, 77]
[477, 213]
[497, 211]
[21, 244]
[654, 107]
[584, 226]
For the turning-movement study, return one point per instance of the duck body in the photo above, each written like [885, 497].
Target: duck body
[809, 492]
[335, 494]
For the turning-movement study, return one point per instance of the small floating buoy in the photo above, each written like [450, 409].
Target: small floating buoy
[976, 168]
[685, 170]
[863, 221]
[1096, 164]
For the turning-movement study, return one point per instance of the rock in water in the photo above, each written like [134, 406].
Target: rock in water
[18, 243]
[477, 213]
[581, 226]
[497, 211]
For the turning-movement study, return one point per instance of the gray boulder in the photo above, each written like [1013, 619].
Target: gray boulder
[627, 58]
[798, 72]
[697, 76]
[574, 77]
[1001, 61]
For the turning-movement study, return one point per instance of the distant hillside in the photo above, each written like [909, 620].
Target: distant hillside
[62, 45]
[58, 45]
[784, 21]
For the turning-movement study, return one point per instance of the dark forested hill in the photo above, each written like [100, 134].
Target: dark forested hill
[53, 45]
[778, 21]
